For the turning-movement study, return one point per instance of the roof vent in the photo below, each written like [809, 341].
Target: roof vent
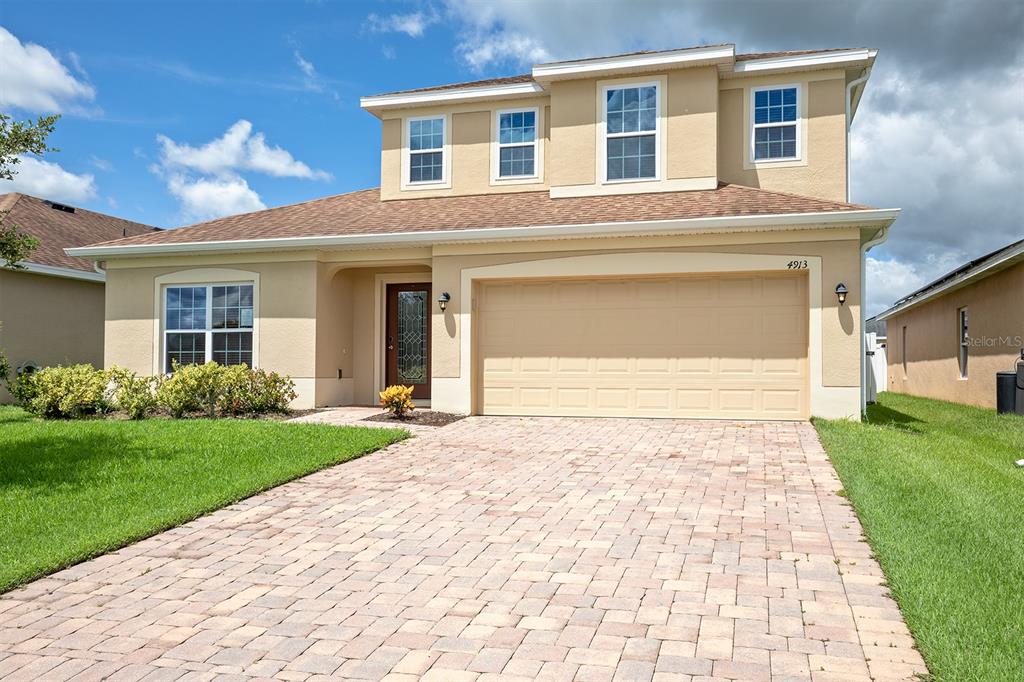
[59, 207]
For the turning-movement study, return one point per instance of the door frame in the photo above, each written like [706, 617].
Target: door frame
[391, 322]
[380, 323]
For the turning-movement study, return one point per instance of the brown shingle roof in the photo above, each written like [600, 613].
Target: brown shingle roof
[59, 229]
[363, 213]
[505, 80]
[789, 53]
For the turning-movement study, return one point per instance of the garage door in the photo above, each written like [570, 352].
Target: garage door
[723, 346]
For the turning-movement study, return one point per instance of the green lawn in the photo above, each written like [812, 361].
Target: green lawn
[70, 490]
[942, 504]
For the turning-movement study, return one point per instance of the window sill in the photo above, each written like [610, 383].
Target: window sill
[626, 181]
[516, 180]
[775, 163]
[433, 184]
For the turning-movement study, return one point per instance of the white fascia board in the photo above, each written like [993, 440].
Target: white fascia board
[778, 221]
[54, 271]
[960, 281]
[633, 62]
[411, 99]
[804, 61]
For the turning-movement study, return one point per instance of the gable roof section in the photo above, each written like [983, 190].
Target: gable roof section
[58, 227]
[968, 273]
[362, 214]
[529, 78]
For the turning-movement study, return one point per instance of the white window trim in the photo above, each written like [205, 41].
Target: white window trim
[799, 123]
[659, 127]
[196, 278]
[446, 155]
[208, 331]
[538, 150]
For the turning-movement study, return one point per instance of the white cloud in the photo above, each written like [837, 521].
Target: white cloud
[101, 164]
[207, 179]
[49, 181]
[413, 24]
[238, 149]
[310, 78]
[208, 198]
[951, 163]
[891, 280]
[306, 66]
[31, 78]
[482, 49]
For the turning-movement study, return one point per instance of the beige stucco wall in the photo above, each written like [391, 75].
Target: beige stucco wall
[286, 314]
[318, 313]
[471, 135]
[573, 143]
[705, 130]
[996, 322]
[50, 320]
[822, 170]
[689, 125]
[347, 320]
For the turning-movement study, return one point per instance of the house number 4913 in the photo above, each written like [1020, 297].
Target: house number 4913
[797, 265]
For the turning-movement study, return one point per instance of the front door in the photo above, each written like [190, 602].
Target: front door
[407, 341]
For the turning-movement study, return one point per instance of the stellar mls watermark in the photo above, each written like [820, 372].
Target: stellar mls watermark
[995, 341]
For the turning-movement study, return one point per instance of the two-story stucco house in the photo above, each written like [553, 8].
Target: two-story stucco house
[655, 234]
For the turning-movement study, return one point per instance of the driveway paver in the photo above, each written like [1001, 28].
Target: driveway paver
[496, 548]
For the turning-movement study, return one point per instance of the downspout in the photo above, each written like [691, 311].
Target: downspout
[849, 121]
[879, 237]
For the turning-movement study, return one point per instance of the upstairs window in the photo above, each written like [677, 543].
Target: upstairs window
[631, 132]
[208, 322]
[775, 136]
[517, 144]
[426, 150]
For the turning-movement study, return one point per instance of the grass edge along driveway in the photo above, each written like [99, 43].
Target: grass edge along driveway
[71, 490]
[942, 504]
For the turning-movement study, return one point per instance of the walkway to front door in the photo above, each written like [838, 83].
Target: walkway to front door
[496, 548]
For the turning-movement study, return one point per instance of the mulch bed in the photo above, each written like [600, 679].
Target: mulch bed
[419, 418]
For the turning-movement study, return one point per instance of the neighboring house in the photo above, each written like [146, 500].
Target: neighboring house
[51, 312]
[948, 339]
[652, 234]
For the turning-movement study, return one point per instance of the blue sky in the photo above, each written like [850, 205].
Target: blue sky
[190, 71]
[180, 111]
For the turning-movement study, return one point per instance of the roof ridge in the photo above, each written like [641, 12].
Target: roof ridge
[14, 197]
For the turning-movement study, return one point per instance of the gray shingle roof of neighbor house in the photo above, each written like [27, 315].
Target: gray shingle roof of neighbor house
[528, 78]
[971, 271]
[59, 226]
[362, 213]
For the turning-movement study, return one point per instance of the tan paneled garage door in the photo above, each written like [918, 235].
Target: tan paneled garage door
[722, 346]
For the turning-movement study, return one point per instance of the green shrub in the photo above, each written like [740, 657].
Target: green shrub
[254, 391]
[190, 388]
[64, 391]
[134, 394]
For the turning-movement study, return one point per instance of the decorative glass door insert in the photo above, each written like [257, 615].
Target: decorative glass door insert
[412, 337]
[407, 348]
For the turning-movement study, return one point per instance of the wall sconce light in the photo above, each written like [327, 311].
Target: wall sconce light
[443, 299]
[841, 292]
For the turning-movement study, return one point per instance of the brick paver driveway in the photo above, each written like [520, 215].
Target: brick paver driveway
[496, 548]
